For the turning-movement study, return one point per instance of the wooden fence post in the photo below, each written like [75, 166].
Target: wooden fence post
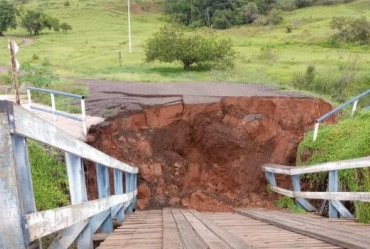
[11, 232]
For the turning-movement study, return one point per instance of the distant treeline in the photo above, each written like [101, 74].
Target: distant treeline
[224, 14]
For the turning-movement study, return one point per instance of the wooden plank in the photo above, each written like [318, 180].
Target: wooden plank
[11, 235]
[334, 237]
[341, 209]
[340, 196]
[43, 223]
[206, 234]
[30, 125]
[230, 239]
[344, 164]
[189, 237]
[271, 179]
[171, 237]
[263, 235]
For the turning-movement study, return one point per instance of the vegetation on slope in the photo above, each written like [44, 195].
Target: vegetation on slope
[49, 177]
[348, 139]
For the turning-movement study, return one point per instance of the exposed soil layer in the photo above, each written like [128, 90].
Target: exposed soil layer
[209, 156]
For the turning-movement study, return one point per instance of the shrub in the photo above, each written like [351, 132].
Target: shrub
[351, 29]
[172, 45]
[66, 3]
[38, 76]
[275, 17]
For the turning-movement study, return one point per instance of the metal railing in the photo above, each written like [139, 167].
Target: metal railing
[53, 109]
[334, 197]
[353, 101]
[21, 224]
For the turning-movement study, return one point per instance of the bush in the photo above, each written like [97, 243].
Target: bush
[275, 17]
[38, 76]
[351, 29]
[172, 45]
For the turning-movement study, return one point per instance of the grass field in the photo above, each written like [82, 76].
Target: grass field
[100, 32]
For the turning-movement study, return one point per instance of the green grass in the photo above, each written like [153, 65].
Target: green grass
[100, 32]
[287, 202]
[49, 177]
[348, 139]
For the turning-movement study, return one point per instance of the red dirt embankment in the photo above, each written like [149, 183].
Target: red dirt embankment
[209, 156]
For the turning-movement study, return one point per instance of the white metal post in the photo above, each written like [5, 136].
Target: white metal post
[129, 26]
[29, 98]
[354, 108]
[53, 105]
[316, 132]
[83, 111]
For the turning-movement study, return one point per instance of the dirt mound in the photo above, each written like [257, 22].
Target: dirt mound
[209, 156]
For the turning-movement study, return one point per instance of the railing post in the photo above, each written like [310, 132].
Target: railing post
[104, 191]
[271, 178]
[303, 203]
[316, 131]
[11, 232]
[354, 108]
[83, 114]
[333, 187]
[29, 98]
[53, 105]
[135, 188]
[77, 189]
[118, 189]
[129, 183]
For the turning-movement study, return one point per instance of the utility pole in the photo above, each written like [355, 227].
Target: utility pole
[15, 67]
[129, 26]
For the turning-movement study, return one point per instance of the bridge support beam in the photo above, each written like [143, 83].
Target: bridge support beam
[301, 202]
[102, 173]
[118, 189]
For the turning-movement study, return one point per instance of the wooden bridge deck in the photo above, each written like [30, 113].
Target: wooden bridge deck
[180, 228]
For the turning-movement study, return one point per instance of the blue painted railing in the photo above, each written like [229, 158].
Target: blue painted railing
[21, 224]
[54, 110]
[334, 197]
[353, 101]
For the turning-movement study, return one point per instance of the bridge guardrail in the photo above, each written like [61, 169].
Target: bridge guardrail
[53, 109]
[334, 197]
[21, 224]
[353, 101]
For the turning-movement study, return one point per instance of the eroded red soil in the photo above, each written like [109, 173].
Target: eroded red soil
[209, 156]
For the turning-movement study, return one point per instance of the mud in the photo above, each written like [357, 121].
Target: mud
[208, 156]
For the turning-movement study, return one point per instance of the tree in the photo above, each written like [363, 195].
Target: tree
[65, 27]
[170, 44]
[251, 12]
[7, 17]
[35, 21]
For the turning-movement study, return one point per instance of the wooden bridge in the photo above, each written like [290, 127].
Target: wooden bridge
[22, 226]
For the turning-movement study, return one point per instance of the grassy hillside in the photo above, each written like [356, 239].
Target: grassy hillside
[100, 32]
[348, 139]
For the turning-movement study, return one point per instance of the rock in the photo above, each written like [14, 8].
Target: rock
[150, 172]
[174, 200]
[143, 196]
[90, 138]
